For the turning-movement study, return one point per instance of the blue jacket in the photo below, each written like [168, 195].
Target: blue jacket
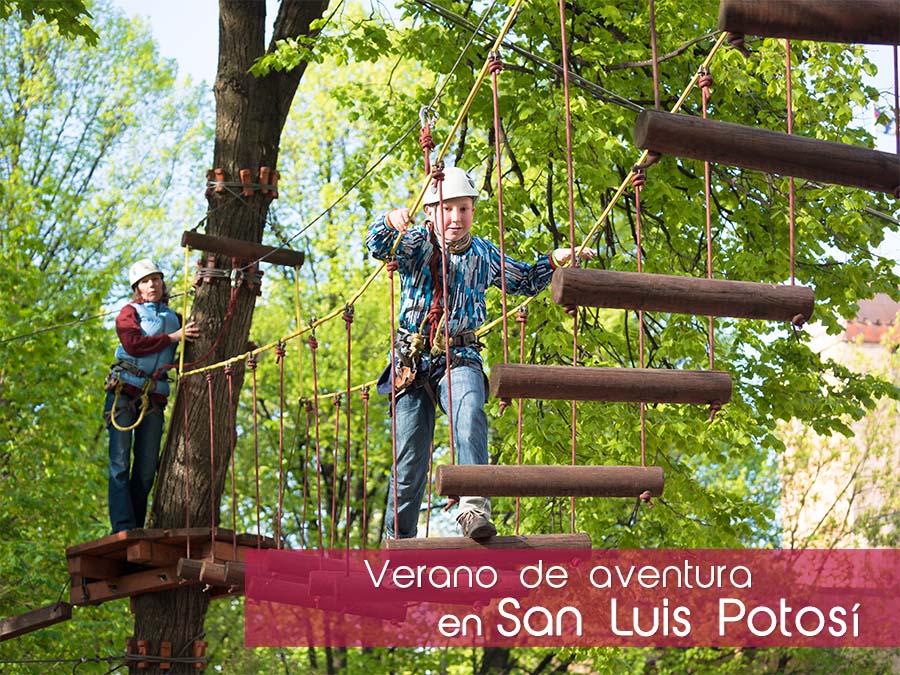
[155, 318]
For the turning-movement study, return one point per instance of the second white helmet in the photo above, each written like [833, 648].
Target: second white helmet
[457, 183]
[142, 268]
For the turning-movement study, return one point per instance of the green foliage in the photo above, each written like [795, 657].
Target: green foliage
[69, 15]
[83, 194]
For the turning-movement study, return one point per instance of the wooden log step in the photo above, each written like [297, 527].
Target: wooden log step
[682, 295]
[624, 385]
[36, 619]
[874, 22]
[765, 150]
[578, 540]
[226, 574]
[242, 250]
[549, 481]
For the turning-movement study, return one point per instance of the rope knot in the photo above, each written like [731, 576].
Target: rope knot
[798, 320]
[279, 351]
[364, 394]
[348, 314]
[437, 173]
[522, 315]
[736, 40]
[313, 343]
[714, 407]
[392, 265]
[639, 178]
[252, 362]
[495, 63]
[229, 371]
[705, 81]
[645, 498]
[426, 141]
[209, 376]
[337, 400]
[504, 404]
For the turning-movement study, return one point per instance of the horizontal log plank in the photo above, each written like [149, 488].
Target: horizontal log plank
[247, 251]
[682, 295]
[21, 624]
[874, 22]
[768, 151]
[624, 385]
[536, 541]
[549, 481]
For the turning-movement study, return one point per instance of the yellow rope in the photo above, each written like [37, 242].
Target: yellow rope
[145, 406]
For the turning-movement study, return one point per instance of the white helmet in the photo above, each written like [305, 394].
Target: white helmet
[457, 183]
[142, 268]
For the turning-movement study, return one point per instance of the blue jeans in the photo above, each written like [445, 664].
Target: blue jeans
[415, 429]
[128, 491]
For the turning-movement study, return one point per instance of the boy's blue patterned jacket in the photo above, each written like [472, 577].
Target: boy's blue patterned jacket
[469, 275]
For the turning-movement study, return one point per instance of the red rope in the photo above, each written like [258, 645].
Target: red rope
[430, 487]
[438, 174]
[348, 322]
[897, 102]
[212, 465]
[496, 67]
[251, 364]
[573, 259]
[279, 357]
[640, 179]
[790, 130]
[365, 521]
[334, 472]
[521, 319]
[308, 406]
[654, 55]
[392, 267]
[229, 371]
[313, 345]
[426, 142]
[187, 465]
[705, 81]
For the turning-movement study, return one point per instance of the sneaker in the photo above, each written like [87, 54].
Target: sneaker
[476, 526]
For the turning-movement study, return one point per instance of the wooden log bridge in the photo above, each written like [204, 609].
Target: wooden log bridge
[21, 624]
[623, 385]
[576, 541]
[874, 22]
[242, 250]
[769, 151]
[682, 295]
[549, 481]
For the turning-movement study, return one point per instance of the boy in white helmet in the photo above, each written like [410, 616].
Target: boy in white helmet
[473, 264]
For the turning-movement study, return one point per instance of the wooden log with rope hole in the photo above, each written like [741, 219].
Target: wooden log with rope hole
[768, 151]
[242, 250]
[549, 480]
[576, 541]
[875, 22]
[623, 385]
[682, 295]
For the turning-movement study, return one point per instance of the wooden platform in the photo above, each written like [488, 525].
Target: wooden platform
[535, 541]
[21, 624]
[141, 561]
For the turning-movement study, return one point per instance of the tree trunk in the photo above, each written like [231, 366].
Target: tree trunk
[250, 116]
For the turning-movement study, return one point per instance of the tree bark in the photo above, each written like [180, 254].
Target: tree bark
[250, 116]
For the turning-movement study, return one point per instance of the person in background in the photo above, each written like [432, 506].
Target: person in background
[473, 264]
[137, 391]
